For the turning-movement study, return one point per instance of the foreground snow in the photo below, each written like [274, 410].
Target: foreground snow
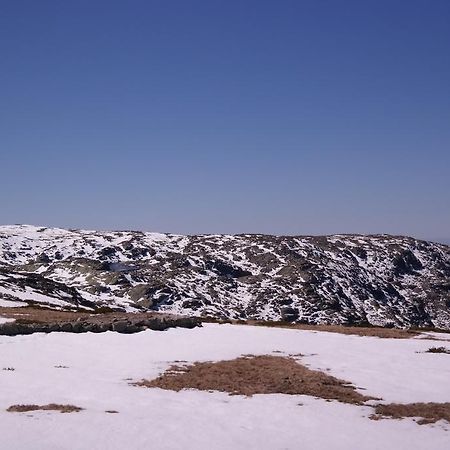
[93, 371]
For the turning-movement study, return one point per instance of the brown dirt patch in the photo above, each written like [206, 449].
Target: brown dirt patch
[428, 412]
[49, 407]
[387, 333]
[249, 375]
[42, 315]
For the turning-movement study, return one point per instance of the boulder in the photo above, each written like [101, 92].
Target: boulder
[120, 326]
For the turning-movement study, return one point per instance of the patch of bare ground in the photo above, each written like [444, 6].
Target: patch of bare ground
[424, 412]
[49, 407]
[388, 333]
[33, 314]
[438, 350]
[249, 375]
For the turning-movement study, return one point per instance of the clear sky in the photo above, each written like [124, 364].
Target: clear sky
[284, 117]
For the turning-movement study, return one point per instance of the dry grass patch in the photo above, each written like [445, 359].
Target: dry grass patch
[427, 412]
[438, 350]
[49, 407]
[387, 333]
[33, 314]
[249, 375]
[372, 331]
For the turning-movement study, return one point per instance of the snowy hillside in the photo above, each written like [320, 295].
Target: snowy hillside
[343, 279]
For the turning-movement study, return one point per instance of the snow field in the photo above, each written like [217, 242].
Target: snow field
[94, 371]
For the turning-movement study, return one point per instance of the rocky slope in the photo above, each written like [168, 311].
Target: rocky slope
[341, 279]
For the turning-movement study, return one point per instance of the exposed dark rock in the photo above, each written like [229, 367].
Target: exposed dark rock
[289, 314]
[107, 252]
[406, 263]
[120, 326]
[226, 270]
[43, 258]
[99, 324]
[192, 304]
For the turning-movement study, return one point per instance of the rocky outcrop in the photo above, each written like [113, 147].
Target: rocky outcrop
[99, 324]
[382, 280]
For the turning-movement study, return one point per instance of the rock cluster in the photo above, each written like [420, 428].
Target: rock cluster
[99, 325]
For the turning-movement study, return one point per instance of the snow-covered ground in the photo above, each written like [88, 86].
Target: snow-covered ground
[94, 371]
[11, 304]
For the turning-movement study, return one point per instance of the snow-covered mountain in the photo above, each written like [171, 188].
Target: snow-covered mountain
[343, 279]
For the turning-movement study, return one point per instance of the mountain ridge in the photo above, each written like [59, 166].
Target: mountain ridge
[339, 279]
[443, 241]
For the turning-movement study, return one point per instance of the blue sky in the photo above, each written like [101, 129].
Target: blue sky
[285, 117]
